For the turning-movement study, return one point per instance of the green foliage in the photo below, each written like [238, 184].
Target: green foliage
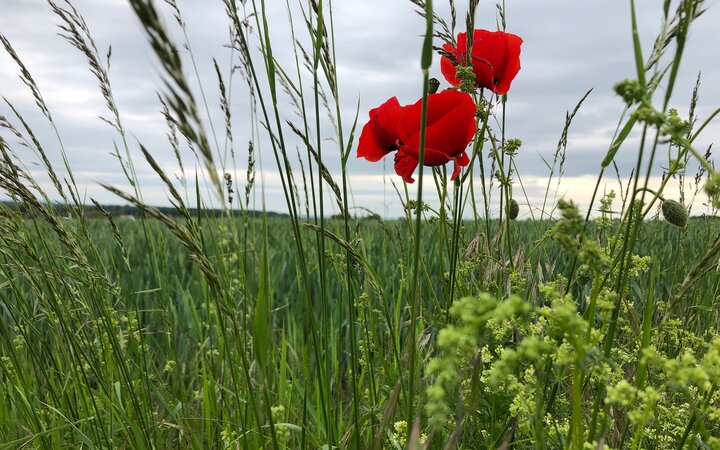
[181, 327]
[631, 91]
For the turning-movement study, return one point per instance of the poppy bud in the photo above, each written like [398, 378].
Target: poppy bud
[513, 210]
[433, 85]
[675, 213]
[712, 189]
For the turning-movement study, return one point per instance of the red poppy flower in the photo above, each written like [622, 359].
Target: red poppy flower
[495, 58]
[449, 129]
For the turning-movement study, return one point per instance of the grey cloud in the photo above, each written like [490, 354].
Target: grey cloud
[569, 47]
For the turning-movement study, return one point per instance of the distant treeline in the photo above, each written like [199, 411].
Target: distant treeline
[92, 211]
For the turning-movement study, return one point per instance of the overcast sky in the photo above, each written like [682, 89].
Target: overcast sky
[569, 47]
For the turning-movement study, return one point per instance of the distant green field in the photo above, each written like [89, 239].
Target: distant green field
[386, 245]
[107, 336]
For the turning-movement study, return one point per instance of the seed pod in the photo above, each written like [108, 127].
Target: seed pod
[675, 213]
[433, 85]
[513, 210]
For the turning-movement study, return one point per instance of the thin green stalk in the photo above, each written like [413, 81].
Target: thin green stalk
[457, 218]
[352, 312]
[278, 145]
[576, 415]
[632, 229]
[637, 47]
[426, 62]
[693, 418]
[324, 306]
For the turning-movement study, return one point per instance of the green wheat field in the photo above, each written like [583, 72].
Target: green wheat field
[476, 320]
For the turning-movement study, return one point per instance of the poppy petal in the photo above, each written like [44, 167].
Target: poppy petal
[461, 161]
[435, 157]
[456, 171]
[513, 64]
[405, 164]
[484, 73]
[452, 132]
[447, 68]
[450, 122]
[369, 146]
[379, 136]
